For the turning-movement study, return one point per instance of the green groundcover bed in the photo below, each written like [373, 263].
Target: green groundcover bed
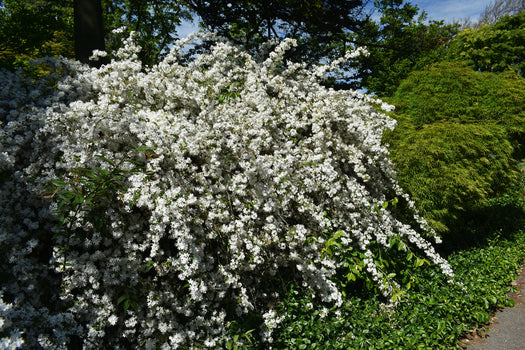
[433, 315]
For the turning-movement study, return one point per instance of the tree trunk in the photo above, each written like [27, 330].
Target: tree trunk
[89, 30]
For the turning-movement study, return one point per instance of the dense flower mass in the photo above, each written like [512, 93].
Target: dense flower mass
[154, 207]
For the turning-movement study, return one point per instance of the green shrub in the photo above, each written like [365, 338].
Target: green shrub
[458, 134]
[492, 48]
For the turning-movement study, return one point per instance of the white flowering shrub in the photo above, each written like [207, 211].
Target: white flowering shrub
[157, 207]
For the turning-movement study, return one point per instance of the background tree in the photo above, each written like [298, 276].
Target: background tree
[156, 21]
[89, 29]
[399, 43]
[324, 30]
[35, 28]
[52, 24]
[500, 8]
[492, 48]
[321, 27]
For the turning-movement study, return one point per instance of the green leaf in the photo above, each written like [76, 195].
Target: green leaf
[103, 172]
[395, 201]
[419, 262]
[482, 317]
[247, 335]
[143, 148]
[109, 161]
[66, 196]
[58, 183]
[121, 299]
[90, 174]
[77, 199]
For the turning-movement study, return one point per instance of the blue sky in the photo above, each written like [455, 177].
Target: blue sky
[449, 10]
[186, 28]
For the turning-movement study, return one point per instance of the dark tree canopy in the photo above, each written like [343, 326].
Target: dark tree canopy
[52, 27]
[399, 43]
[34, 28]
[321, 27]
[156, 22]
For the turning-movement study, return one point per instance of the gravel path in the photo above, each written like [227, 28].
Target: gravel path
[507, 328]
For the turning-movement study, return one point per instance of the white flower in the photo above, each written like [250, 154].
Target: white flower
[97, 54]
[15, 341]
[225, 171]
[112, 320]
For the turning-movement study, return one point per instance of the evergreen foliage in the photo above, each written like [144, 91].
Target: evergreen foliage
[458, 135]
[400, 42]
[50, 32]
[492, 48]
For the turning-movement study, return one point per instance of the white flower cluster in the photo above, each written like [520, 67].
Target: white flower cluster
[251, 169]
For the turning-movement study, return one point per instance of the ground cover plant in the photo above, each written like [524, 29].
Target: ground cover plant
[178, 205]
[433, 314]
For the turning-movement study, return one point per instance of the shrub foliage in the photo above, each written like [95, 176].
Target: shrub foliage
[492, 48]
[458, 136]
[165, 206]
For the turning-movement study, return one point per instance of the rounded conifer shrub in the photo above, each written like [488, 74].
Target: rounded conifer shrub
[159, 207]
[460, 133]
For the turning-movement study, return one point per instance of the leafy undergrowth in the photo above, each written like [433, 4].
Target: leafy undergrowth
[432, 315]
